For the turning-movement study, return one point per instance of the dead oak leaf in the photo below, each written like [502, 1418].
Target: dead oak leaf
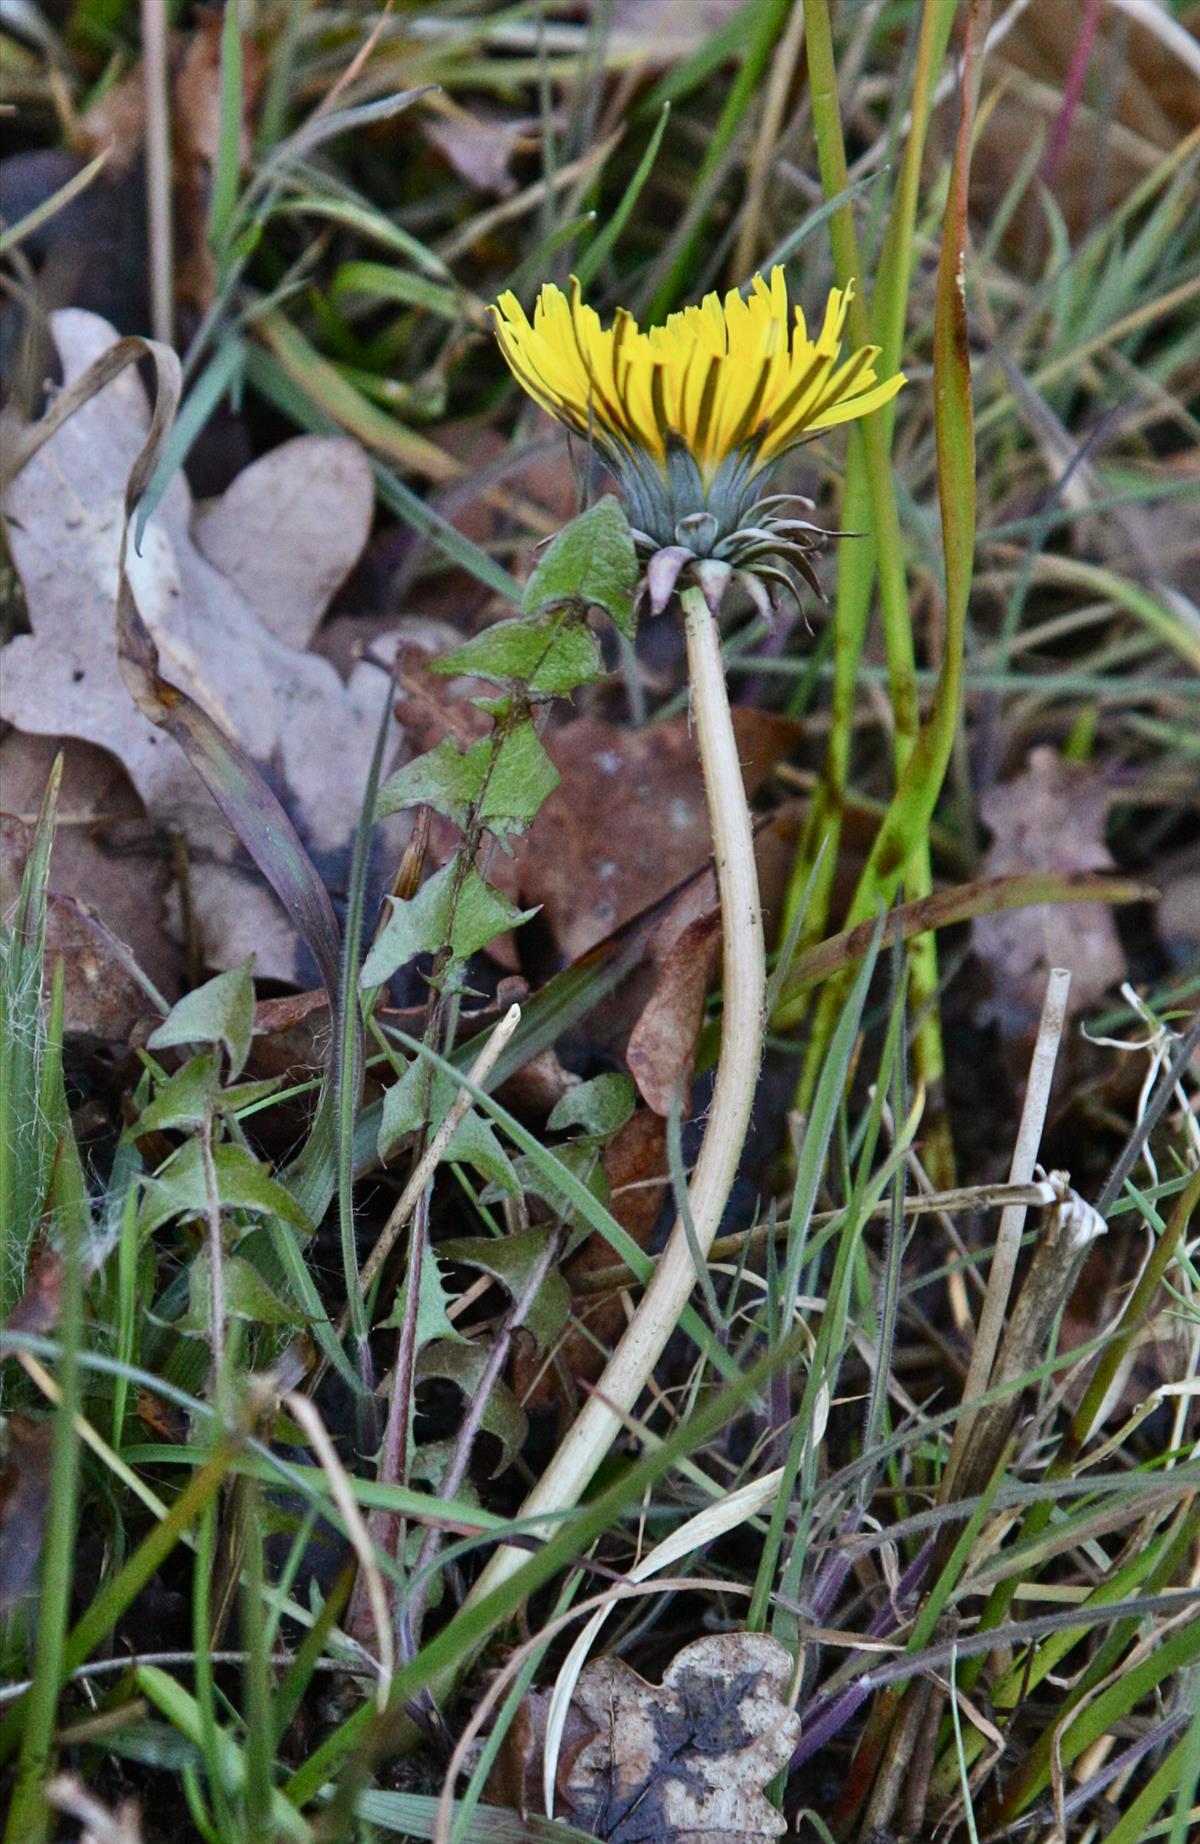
[685, 1762]
[311, 733]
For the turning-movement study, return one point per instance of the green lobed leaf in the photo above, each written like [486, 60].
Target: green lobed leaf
[242, 1184]
[185, 1100]
[600, 1106]
[245, 1295]
[473, 1142]
[188, 1098]
[591, 563]
[424, 923]
[511, 1260]
[583, 1162]
[219, 1012]
[464, 1365]
[548, 655]
[433, 1319]
[508, 777]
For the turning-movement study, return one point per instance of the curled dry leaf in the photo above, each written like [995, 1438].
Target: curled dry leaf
[685, 1762]
[1050, 818]
[662, 1044]
[515, 1780]
[241, 661]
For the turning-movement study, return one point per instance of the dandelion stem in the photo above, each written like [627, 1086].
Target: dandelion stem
[599, 1423]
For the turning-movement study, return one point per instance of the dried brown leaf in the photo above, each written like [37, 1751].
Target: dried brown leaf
[635, 1168]
[662, 1044]
[1050, 818]
[108, 859]
[36, 1312]
[628, 819]
[480, 147]
[685, 1762]
[24, 1491]
[515, 1781]
[66, 512]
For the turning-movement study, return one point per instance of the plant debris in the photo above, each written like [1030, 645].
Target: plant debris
[288, 537]
[687, 1761]
[1050, 818]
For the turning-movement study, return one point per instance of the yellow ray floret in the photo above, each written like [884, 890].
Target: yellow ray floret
[724, 376]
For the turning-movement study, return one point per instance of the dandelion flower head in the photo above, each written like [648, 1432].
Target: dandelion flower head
[692, 415]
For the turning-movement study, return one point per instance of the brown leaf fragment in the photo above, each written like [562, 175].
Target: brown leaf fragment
[480, 147]
[1050, 818]
[685, 1762]
[628, 819]
[160, 1417]
[106, 856]
[36, 1312]
[196, 128]
[102, 997]
[662, 1044]
[540, 1083]
[515, 1781]
[635, 1167]
[24, 1490]
[291, 1034]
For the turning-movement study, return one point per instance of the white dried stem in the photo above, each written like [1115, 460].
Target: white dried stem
[1012, 1221]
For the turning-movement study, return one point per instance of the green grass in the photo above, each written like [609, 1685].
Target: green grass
[1006, 581]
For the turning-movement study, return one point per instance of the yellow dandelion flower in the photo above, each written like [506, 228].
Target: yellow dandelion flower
[691, 414]
[722, 377]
